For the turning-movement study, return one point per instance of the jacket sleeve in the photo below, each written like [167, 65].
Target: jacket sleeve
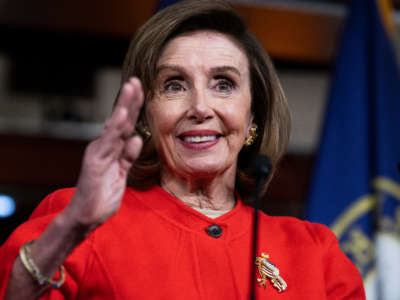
[32, 229]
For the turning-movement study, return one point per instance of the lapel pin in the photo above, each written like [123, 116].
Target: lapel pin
[266, 269]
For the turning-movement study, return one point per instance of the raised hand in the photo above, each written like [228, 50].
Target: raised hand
[107, 160]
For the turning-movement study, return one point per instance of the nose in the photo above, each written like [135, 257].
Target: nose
[200, 106]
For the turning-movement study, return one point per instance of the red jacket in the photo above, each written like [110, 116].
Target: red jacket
[156, 247]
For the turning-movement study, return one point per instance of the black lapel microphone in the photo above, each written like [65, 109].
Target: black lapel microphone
[262, 170]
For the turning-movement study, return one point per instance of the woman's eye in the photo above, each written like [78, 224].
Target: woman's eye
[224, 86]
[173, 87]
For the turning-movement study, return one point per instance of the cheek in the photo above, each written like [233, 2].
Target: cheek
[163, 120]
[238, 118]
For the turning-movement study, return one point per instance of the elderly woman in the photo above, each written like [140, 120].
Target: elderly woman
[200, 99]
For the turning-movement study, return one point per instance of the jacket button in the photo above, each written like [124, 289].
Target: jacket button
[214, 230]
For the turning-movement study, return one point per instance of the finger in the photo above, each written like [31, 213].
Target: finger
[111, 135]
[136, 100]
[119, 125]
[131, 152]
[122, 122]
[131, 100]
[114, 121]
[99, 155]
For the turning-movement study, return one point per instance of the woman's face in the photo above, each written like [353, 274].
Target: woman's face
[200, 113]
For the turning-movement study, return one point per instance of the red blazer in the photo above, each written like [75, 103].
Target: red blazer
[156, 247]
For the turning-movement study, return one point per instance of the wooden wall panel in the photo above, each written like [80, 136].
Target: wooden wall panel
[104, 17]
[32, 160]
[289, 188]
[294, 35]
[287, 34]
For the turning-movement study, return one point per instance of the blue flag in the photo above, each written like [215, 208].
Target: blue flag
[355, 188]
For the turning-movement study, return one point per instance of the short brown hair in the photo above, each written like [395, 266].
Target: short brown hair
[269, 106]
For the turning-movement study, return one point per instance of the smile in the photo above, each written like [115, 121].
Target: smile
[199, 139]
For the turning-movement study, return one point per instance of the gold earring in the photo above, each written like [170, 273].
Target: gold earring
[146, 133]
[253, 136]
[143, 131]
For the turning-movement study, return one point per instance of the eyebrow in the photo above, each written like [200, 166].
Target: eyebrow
[214, 70]
[169, 67]
[224, 69]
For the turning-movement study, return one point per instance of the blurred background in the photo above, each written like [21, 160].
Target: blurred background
[60, 65]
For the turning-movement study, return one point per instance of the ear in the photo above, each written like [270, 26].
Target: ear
[249, 125]
[145, 118]
[142, 125]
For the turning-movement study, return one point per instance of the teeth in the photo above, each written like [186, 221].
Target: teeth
[199, 139]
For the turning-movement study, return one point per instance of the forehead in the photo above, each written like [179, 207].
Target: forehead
[208, 48]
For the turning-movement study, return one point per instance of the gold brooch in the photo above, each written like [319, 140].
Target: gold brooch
[266, 269]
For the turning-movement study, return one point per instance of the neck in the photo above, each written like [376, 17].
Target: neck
[217, 193]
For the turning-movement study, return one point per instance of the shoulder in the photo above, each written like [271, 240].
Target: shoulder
[299, 230]
[58, 200]
[315, 250]
[41, 217]
[53, 203]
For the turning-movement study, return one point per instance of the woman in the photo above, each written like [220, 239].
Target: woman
[207, 102]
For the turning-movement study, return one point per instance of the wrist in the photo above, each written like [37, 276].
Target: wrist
[59, 239]
[73, 226]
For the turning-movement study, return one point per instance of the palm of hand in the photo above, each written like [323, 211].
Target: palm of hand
[107, 161]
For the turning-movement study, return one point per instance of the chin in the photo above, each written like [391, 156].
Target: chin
[207, 169]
